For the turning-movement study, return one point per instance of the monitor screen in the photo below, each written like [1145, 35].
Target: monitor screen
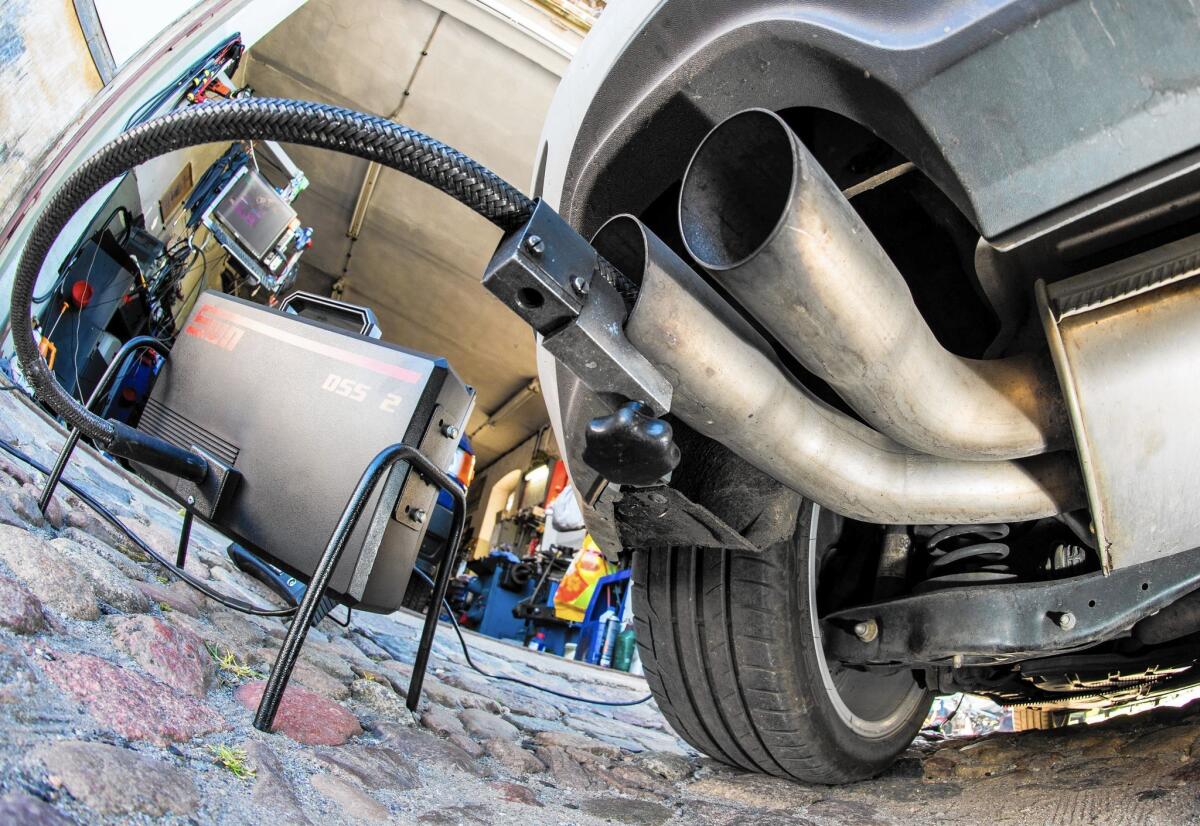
[255, 213]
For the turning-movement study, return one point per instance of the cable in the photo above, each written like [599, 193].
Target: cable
[311, 124]
[111, 518]
[937, 729]
[466, 653]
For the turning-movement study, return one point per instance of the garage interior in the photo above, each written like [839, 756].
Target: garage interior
[312, 550]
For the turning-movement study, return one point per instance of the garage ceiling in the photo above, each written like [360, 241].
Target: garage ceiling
[419, 256]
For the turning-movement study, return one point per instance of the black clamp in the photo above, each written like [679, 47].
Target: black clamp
[631, 446]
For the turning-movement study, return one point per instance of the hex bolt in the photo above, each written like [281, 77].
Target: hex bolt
[417, 515]
[580, 285]
[1064, 620]
[450, 431]
[534, 245]
[866, 631]
[191, 500]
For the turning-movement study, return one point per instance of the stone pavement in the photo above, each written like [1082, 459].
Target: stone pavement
[126, 698]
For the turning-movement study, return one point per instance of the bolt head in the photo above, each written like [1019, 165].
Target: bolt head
[867, 630]
[417, 515]
[450, 431]
[580, 285]
[191, 500]
[534, 245]
[1066, 620]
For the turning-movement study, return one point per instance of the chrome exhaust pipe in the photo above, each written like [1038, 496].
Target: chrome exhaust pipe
[759, 213]
[728, 387]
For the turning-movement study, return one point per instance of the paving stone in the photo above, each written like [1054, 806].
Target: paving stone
[352, 803]
[178, 596]
[325, 657]
[232, 634]
[397, 673]
[483, 725]
[132, 704]
[535, 725]
[516, 793]
[172, 654]
[623, 810]
[380, 699]
[451, 697]
[272, 797]
[423, 747]
[258, 593]
[54, 508]
[566, 771]
[634, 780]
[469, 815]
[519, 704]
[516, 759]
[441, 721]
[15, 472]
[17, 680]
[312, 678]
[24, 505]
[471, 747]
[111, 586]
[20, 611]
[23, 810]
[117, 781]
[574, 740]
[377, 768]
[107, 552]
[303, 715]
[9, 517]
[669, 766]
[347, 650]
[48, 574]
[368, 648]
[82, 519]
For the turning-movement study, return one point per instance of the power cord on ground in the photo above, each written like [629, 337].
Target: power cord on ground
[111, 518]
[467, 654]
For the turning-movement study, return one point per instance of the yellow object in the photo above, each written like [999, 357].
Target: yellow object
[579, 582]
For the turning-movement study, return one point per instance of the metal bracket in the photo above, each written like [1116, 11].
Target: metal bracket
[1006, 623]
[207, 497]
[552, 278]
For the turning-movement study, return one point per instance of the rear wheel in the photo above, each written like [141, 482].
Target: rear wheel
[733, 654]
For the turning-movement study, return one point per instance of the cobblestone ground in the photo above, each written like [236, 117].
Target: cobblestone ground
[128, 698]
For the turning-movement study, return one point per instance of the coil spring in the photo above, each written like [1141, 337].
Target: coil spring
[967, 555]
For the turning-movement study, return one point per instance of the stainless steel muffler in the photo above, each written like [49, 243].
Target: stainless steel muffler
[764, 218]
[728, 387]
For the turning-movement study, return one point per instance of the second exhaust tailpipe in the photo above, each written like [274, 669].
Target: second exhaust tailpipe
[760, 214]
[728, 387]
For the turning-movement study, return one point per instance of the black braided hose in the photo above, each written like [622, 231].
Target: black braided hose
[287, 121]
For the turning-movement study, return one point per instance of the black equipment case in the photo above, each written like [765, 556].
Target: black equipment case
[297, 410]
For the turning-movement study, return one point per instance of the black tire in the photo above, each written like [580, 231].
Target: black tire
[730, 654]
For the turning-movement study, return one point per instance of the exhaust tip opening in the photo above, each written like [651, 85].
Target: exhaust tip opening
[736, 189]
[622, 241]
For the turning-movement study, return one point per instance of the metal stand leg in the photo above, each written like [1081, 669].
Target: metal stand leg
[285, 661]
[101, 390]
[185, 534]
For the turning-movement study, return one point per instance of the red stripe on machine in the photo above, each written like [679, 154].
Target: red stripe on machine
[336, 353]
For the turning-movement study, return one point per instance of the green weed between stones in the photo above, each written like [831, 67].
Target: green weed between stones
[230, 665]
[233, 759]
